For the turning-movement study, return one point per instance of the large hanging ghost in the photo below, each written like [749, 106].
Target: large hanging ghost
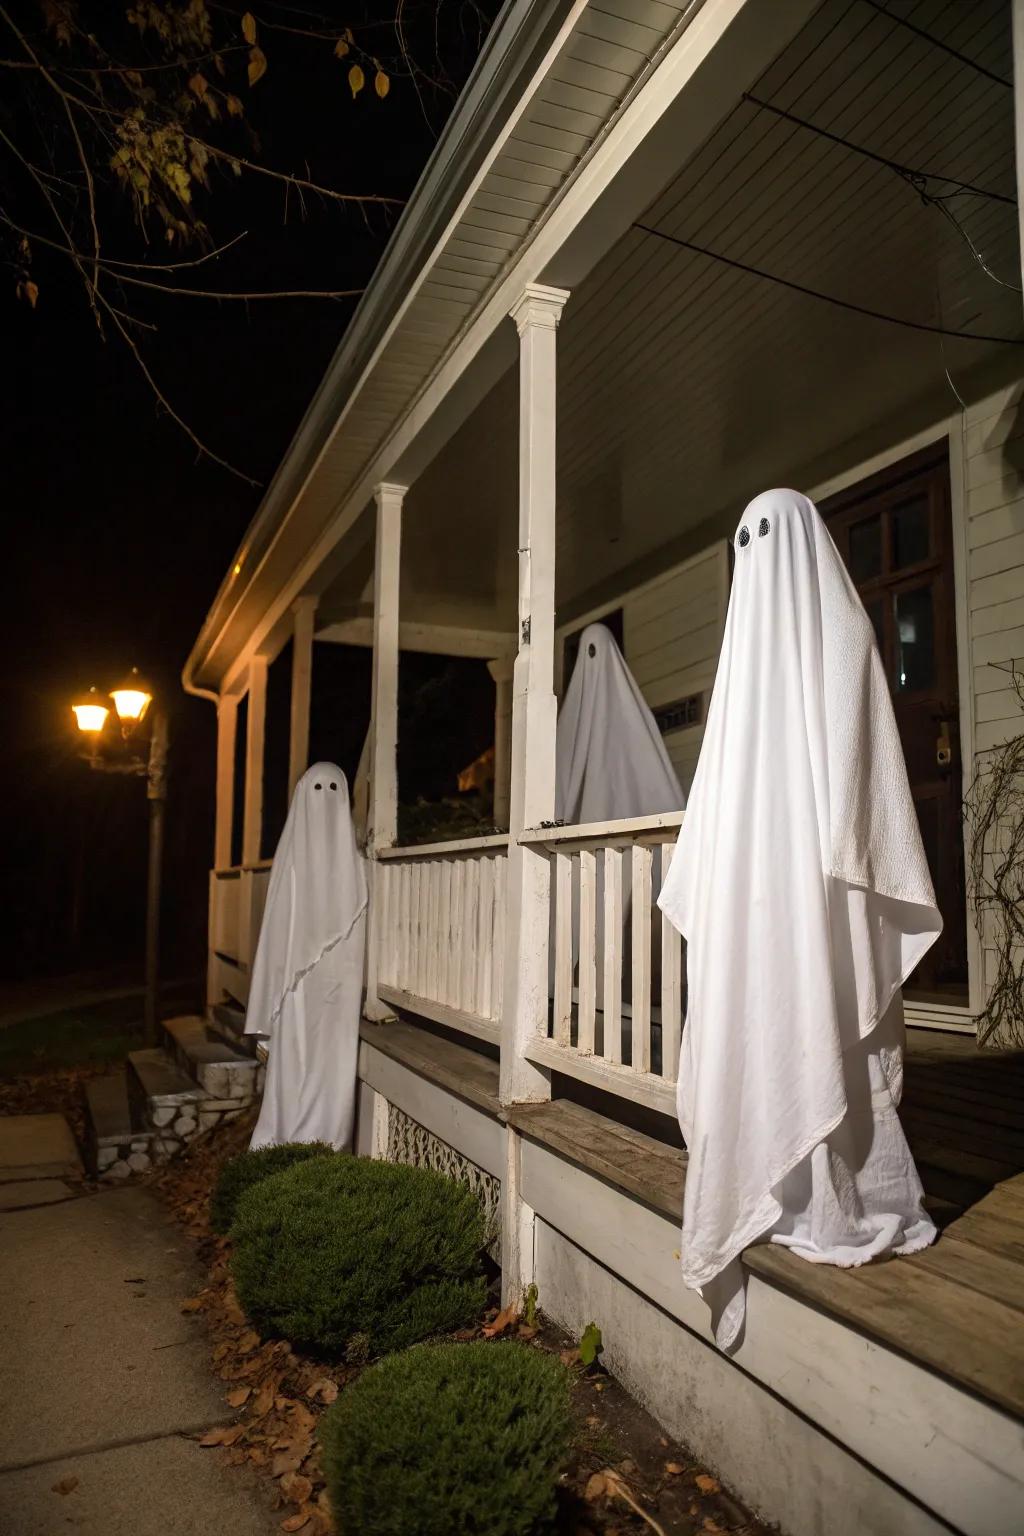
[306, 990]
[801, 886]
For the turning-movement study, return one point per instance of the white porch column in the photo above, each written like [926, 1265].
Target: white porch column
[256, 719]
[304, 612]
[501, 671]
[382, 828]
[227, 723]
[532, 790]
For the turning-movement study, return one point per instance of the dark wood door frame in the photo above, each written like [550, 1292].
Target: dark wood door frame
[927, 708]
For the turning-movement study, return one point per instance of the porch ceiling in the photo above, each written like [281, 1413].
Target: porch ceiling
[686, 386]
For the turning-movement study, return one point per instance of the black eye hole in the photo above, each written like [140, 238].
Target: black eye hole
[763, 527]
[743, 537]
[318, 786]
[591, 649]
[334, 786]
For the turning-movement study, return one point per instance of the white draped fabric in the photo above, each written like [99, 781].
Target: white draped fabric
[307, 978]
[611, 761]
[801, 886]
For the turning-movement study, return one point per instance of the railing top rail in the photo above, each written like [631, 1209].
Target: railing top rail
[627, 830]
[232, 871]
[466, 845]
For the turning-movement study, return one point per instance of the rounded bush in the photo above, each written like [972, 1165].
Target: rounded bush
[248, 1168]
[348, 1257]
[449, 1440]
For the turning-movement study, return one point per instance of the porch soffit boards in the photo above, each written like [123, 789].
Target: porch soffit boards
[685, 387]
[560, 99]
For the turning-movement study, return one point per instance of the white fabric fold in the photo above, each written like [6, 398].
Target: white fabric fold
[801, 886]
[306, 985]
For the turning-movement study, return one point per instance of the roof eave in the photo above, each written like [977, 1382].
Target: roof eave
[518, 39]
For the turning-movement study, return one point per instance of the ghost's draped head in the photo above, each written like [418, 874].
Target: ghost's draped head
[775, 523]
[597, 643]
[323, 791]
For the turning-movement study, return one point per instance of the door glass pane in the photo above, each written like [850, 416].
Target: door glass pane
[915, 640]
[874, 612]
[911, 532]
[866, 549]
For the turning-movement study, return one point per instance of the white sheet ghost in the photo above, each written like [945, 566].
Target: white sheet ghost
[307, 978]
[801, 886]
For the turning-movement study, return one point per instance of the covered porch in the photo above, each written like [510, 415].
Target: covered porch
[740, 284]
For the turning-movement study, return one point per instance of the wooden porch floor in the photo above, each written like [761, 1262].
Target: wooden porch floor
[957, 1308]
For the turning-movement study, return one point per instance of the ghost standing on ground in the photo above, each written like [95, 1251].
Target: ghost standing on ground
[306, 991]
[801, 886]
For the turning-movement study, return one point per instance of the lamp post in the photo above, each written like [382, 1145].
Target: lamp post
[132, 702]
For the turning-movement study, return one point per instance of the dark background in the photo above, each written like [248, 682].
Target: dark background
[116, 534]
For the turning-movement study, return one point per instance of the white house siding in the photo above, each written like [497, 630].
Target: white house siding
[672, 634]
[993, 446]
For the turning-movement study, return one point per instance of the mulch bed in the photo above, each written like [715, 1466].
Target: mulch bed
[624, 1477]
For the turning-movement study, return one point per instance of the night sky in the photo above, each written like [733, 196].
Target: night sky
[117, 535]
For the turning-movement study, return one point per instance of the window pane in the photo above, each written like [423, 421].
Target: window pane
[911, 532]
[866, 549]
[915, 640]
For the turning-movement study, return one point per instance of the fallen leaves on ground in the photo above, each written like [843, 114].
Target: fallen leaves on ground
[501, 1321]
[707, 1484]
[610, 1484]
[66, 1485]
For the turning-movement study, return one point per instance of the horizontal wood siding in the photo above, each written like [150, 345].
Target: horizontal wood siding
[994, 503]
[673, 634]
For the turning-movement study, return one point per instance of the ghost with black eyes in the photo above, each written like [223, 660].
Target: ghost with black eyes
[801, 886]
[306, 989]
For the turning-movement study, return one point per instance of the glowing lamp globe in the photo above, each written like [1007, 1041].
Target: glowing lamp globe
[131, 699]
[91, 711]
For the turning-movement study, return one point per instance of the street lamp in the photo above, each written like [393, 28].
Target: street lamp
[133, 703]
[132, 699]
[91, 710]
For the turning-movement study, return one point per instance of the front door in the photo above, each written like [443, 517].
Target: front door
[895, 533]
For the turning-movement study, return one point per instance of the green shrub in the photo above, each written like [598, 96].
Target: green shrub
[248, 1168]
[348, 1257]
[449, 1440]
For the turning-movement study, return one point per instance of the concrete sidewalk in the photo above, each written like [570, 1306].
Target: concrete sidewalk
[103, 1380]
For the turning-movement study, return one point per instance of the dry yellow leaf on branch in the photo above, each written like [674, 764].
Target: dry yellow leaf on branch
[381, 84]
[29, 291]
[257, 65]
[340, 48]
[249, 27]
[356, 79]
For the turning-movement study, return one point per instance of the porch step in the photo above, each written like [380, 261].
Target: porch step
[217, 1065]
[117, 1144]
[227, 1021]
[161, 1080]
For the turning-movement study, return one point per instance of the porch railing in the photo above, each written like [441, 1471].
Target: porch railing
[617, 973]
[237, 898]
[440, 911]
